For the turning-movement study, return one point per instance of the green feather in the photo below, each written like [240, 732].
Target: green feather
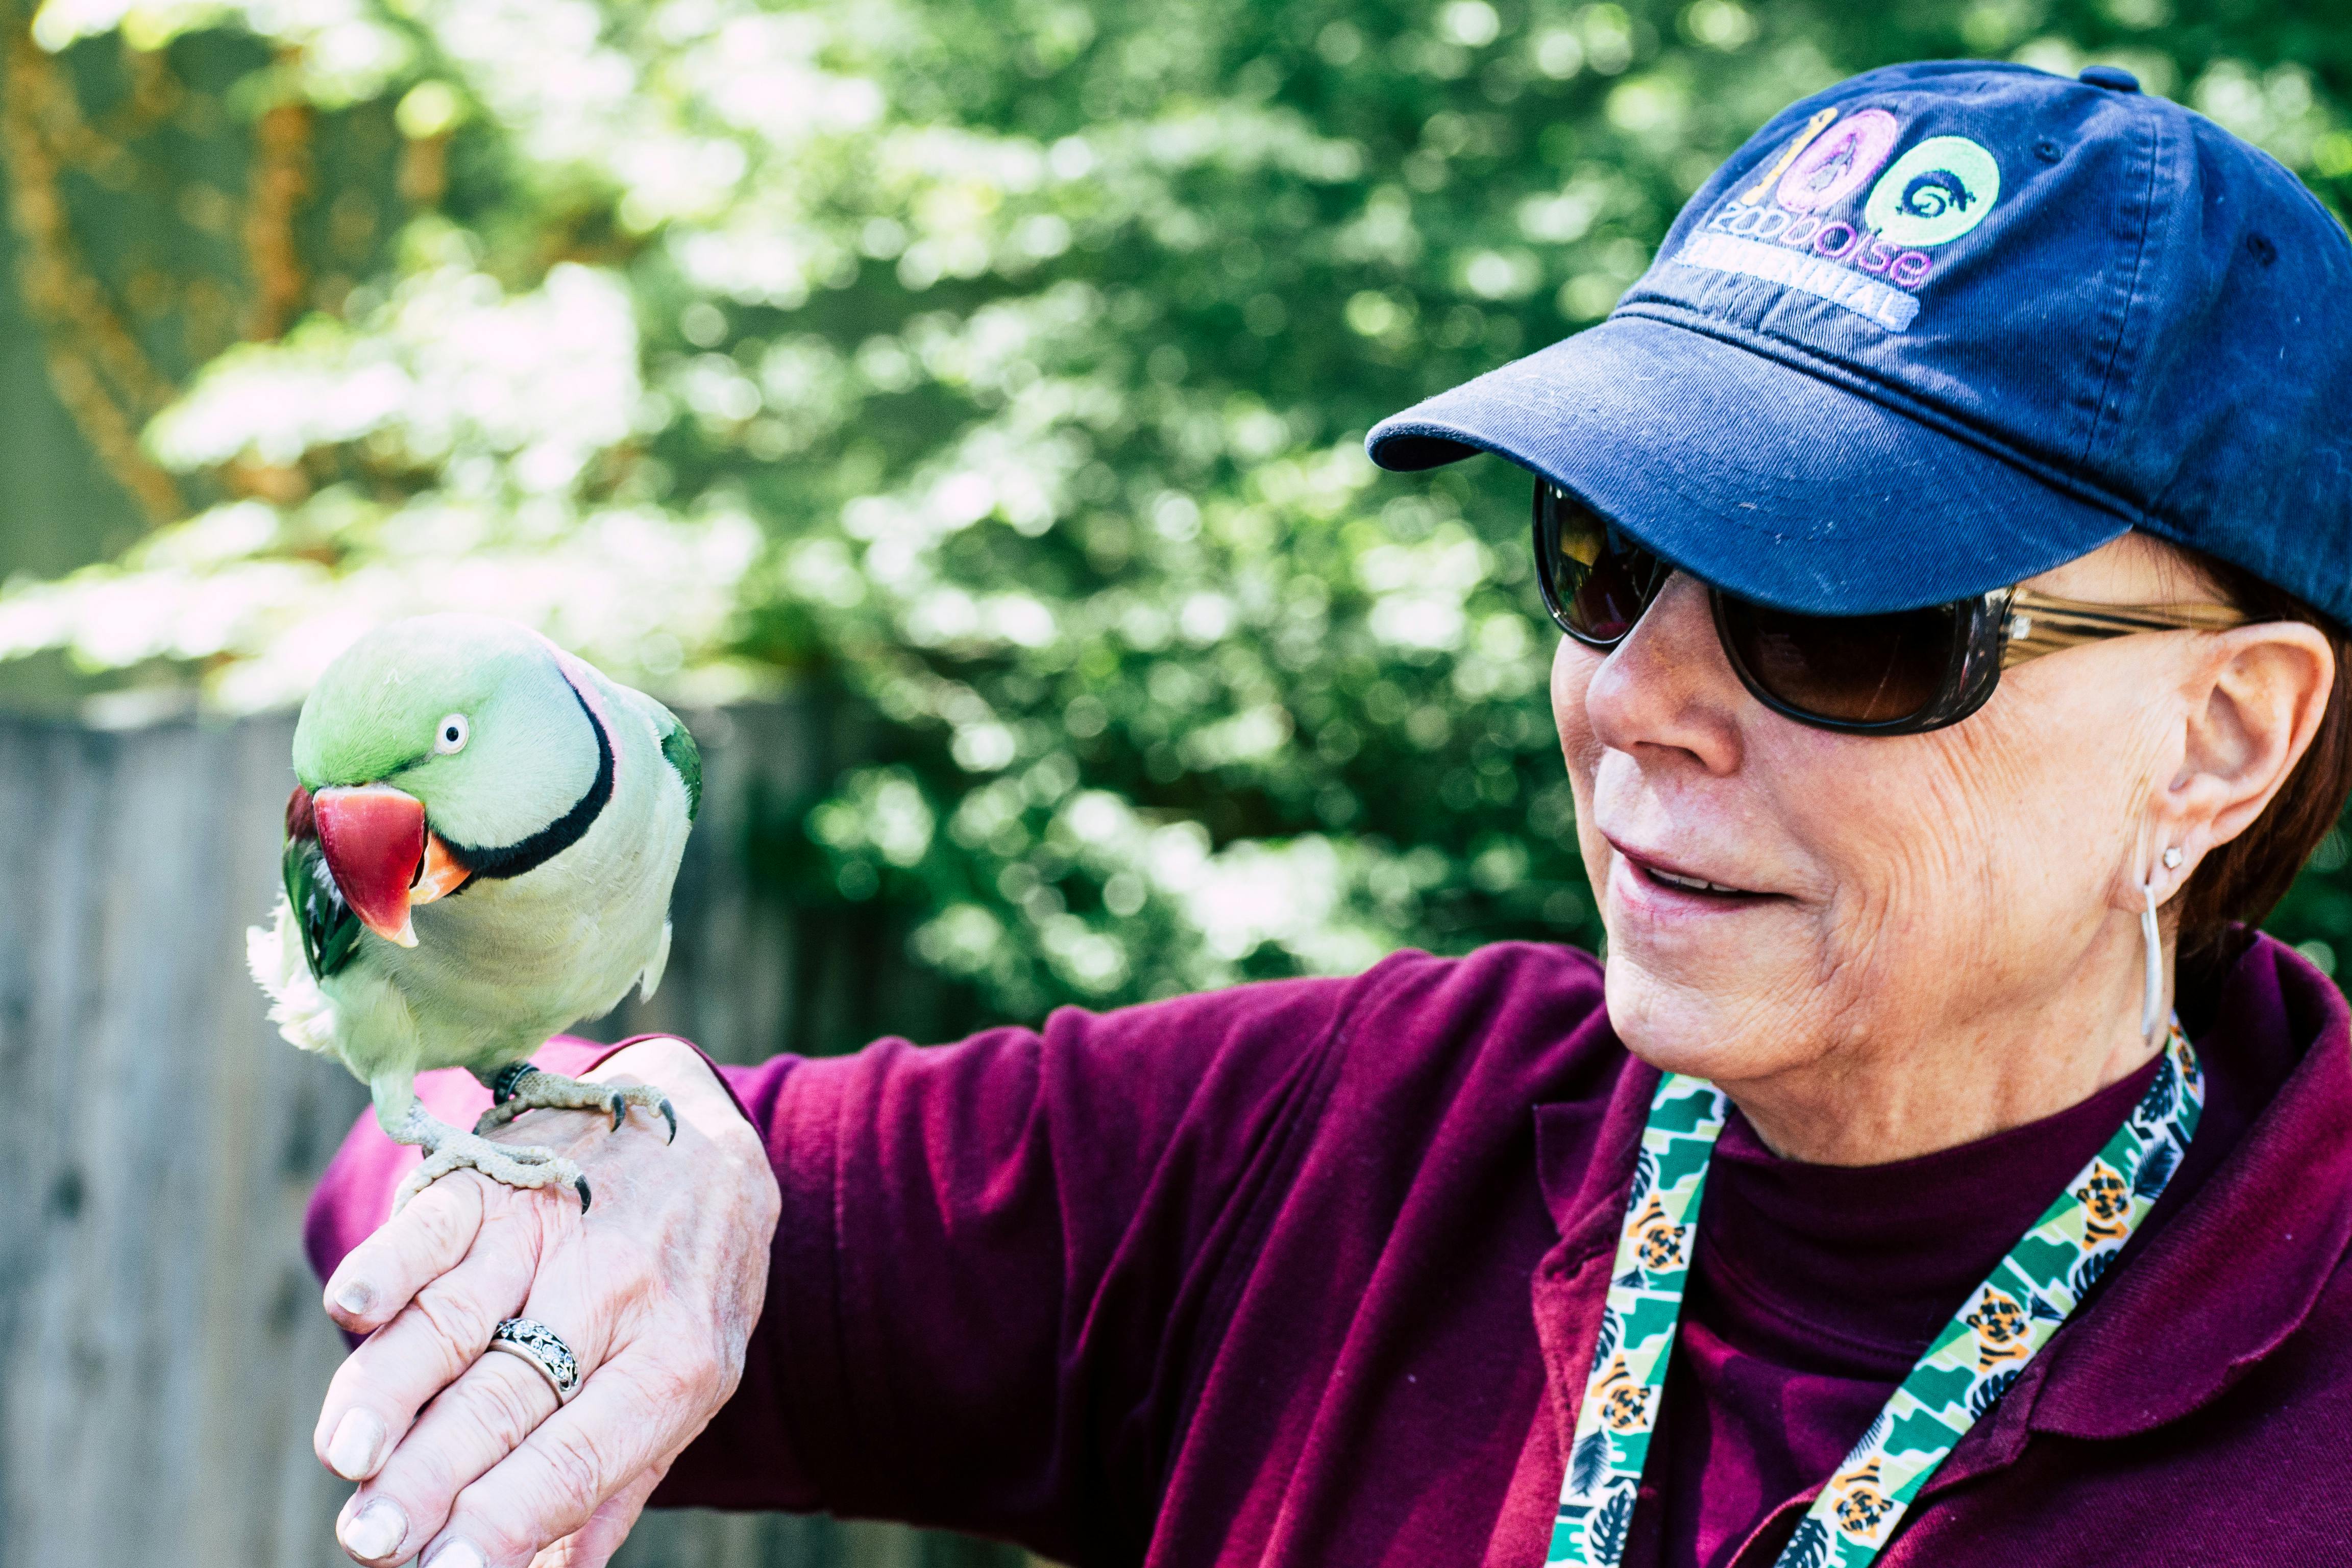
[330, 932]
[687, 758]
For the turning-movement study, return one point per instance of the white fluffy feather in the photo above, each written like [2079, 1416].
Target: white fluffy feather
[299, 1009]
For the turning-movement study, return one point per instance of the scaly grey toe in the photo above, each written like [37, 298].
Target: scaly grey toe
[522, 1086]
[522, 1166]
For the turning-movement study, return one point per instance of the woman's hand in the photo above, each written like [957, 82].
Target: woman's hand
[656, 1291]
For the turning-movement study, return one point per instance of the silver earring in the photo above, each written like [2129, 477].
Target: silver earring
[2152, 1001]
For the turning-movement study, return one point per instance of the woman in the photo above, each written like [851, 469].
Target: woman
[1935, 1173]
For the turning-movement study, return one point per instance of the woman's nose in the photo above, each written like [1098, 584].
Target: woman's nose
[1668, 686]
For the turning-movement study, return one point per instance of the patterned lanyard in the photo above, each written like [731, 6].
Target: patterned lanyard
[1969, 1364]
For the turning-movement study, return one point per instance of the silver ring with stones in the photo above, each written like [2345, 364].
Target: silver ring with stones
[541, 1346]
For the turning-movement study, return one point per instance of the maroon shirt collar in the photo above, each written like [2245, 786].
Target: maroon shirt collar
[2223, 1281]
[2240, 1267]
[1852, 1270]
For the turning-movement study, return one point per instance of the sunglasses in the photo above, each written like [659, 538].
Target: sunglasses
[1899, 674]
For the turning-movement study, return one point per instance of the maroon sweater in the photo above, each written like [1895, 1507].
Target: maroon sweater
[1310, 1272]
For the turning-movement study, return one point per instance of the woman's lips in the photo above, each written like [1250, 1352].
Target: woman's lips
[1693, 884]
[1664, 882]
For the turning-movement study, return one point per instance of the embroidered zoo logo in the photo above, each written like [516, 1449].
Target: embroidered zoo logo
[1782, 226]
[1825, 170]
[1934, 193]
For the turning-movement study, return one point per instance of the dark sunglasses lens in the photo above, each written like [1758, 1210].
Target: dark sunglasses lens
[1598, 579]
[1856, 669]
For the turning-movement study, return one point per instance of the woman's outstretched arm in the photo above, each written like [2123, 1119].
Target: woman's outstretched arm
[975, 1272]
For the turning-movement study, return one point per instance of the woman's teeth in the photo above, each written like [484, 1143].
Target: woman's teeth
[1695, 884]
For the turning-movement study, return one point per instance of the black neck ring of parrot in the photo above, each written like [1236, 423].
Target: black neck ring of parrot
[530, 854]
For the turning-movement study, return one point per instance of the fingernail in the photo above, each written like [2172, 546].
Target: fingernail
[352, 1451]
[378, 1530]
[455, 1554]
[355, 1298]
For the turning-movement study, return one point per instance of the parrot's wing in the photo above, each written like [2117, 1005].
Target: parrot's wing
[687, 758]
[678, 748]
[329, 930]
[299, 1009]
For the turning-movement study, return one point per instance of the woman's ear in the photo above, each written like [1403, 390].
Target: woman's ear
[2254, 702]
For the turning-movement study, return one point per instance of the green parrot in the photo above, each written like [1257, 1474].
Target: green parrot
[479, 851]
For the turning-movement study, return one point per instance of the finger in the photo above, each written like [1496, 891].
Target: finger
[644, 1405]
[375, 1395]
[494, 1404]
[476, 1422]
[594, 1543]
[415, 1247]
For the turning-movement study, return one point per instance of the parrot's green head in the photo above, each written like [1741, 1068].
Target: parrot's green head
[441, 748]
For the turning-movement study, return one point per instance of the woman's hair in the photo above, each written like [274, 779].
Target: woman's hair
[2244, 878]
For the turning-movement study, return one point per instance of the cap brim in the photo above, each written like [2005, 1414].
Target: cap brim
[1767, 481]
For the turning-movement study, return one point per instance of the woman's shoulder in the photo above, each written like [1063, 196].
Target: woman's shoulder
[1535, 1003]
[1505, 990]
[1520, 1022]
[1495, 982]
[1486, 1035]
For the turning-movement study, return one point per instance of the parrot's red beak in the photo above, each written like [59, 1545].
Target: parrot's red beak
[382, 856]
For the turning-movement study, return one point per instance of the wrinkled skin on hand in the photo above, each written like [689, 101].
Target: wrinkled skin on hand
[656, 1291]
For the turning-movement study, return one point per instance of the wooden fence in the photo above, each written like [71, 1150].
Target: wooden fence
[161, 1349]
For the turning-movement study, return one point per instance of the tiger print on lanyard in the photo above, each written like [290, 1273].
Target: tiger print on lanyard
[1968, 1367]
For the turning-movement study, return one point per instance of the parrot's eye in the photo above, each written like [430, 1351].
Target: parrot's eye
[450, 734]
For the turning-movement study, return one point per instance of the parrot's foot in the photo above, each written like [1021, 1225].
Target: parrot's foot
[523, 1087]
[448, 1148]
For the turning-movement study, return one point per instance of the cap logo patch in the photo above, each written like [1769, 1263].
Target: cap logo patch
[1830, 169]
[1871, 262]
[1788, 155]
[1935, 192]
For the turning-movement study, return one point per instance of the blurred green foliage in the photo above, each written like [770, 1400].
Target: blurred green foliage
[1002, 368]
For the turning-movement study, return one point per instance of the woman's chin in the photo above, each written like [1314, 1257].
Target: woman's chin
[1719, 1023]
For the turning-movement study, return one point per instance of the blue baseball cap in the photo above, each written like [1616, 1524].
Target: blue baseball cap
[1942, 327]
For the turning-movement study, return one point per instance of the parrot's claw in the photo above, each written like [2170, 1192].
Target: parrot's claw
[522, 1088]
[525, 1166]
[620, 1104]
